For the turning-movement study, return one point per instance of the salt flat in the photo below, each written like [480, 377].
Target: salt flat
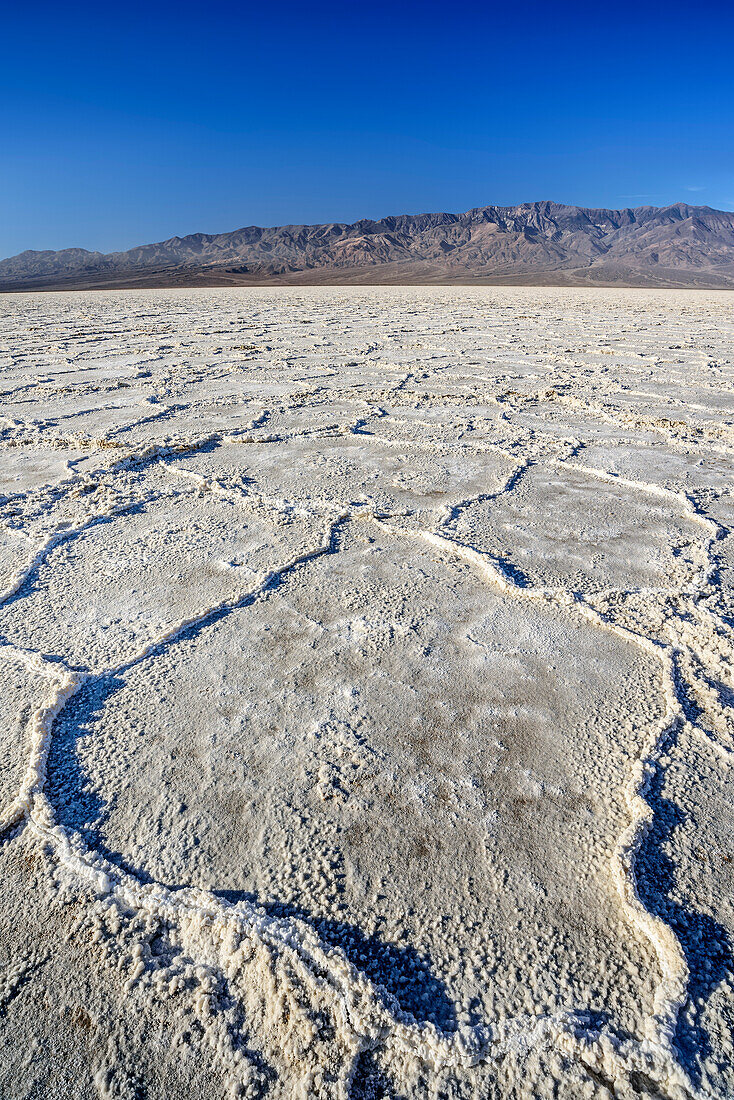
[367, 681]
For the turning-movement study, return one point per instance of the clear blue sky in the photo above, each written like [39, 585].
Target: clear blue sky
[122, 124]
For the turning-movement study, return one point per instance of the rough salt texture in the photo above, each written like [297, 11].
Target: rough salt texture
[366, 685]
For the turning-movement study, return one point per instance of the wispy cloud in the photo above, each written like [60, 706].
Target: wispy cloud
[695, 188]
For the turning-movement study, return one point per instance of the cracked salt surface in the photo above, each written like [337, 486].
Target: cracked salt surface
[367, 683]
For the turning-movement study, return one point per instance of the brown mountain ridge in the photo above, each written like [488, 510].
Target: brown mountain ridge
[534, 243]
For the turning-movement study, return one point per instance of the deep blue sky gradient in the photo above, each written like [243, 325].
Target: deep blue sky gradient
[123, 124]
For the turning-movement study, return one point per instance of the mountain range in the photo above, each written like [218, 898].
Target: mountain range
[543, 243]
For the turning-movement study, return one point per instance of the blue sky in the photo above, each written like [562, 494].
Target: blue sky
[132, 123]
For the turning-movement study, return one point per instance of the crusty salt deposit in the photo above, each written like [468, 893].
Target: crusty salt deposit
[367, 681]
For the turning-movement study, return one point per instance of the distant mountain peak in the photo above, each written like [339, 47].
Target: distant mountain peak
[533, 242]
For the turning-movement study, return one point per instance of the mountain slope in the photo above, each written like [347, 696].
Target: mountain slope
[540, 242]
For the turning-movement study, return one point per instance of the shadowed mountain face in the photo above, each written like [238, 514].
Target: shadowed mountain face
[540, 242]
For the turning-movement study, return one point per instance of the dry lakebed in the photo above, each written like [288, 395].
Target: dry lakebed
[367, 694]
